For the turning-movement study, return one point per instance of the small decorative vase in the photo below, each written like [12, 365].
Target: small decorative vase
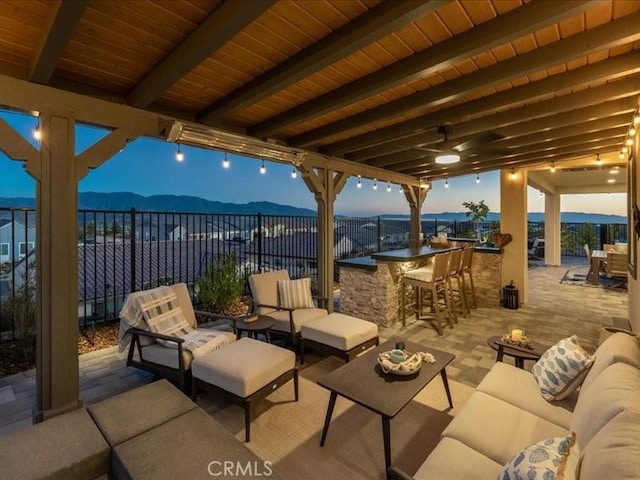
[400, 346]
[397, 356]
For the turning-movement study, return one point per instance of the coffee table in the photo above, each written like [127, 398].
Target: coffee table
[262, 325]
[363, 382]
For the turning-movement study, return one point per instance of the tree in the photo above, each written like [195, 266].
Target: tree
[477, 212]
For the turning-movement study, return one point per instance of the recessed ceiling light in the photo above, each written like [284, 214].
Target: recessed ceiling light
[611, 180]
[614, 171]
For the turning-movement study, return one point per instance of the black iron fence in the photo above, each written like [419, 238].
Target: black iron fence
[124, 251]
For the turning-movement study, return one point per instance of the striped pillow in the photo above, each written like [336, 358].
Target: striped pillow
[295, 293]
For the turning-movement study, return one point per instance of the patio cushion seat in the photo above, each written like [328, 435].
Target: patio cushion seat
[66, 447]
[444, 463]
[300, 317]
[340, 331]
[167, 401]
[527, 396]
[243, 367]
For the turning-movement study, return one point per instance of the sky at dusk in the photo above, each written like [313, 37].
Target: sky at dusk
[149, 167]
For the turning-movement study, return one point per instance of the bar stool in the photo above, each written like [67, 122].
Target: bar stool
[428, 281]
[456, 292]
[469, 288]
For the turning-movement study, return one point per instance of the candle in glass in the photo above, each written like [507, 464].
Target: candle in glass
[516, 334]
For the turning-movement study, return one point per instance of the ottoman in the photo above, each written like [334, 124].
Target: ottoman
[338, 334]
[248, 369]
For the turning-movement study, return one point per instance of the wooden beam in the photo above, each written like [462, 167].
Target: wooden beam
[617, 32]
[101, 151]
[58, 27]
[606, 70]
[512, 124]
[381, 20]
[498, 31]
[230, 18]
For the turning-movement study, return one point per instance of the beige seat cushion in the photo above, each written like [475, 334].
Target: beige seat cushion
[167, 402]
[264, 288]
[615, 448]
[619, 347]
[243, 367]
[527, 395]
[453, 460]
[339, 331]
[300, 317]
[168, 356]
[613, 391]
[497, 429]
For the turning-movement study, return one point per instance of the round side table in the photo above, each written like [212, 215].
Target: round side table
[519, 354]
[261, 325]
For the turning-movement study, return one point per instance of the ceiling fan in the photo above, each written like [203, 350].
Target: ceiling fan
[450, 151]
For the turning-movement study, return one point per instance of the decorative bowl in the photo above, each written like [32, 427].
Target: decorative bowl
[409, 366]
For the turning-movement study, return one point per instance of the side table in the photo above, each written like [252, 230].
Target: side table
[520, 354]
[262, 325]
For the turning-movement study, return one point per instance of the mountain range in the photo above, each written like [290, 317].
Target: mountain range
[122, 201]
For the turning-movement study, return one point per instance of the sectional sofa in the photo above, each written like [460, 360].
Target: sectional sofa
[506, 414]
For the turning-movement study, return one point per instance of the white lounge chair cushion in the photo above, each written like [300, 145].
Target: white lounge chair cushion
[243, 367]
[527, 395]
[619, 347]
[453, 460]
[608, 395]
[295, 293]
[264, 289]
[168, 357]
[339, 331]
[300, 317]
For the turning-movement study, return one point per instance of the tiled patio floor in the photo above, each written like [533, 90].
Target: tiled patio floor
[553, 311]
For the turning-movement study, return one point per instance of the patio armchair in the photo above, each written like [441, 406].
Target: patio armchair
[617, 266]
[537, 249]
[165, 355]
[288, 302]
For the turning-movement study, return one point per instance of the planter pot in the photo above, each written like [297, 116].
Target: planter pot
[606, 332]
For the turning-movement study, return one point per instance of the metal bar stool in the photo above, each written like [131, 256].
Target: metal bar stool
[428, 282]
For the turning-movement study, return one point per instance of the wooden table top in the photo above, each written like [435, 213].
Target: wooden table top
[363, 381]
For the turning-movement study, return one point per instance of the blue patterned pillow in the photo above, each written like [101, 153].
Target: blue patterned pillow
[549, 459]
[561, 369]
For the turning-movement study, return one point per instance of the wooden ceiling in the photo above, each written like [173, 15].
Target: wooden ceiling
[517, 82]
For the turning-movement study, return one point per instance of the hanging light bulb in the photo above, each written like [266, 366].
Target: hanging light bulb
[359, 181]
[598, 159]
[294, 173]
[478, 178]
[621, 155]
[225, 161]
[179, 154]
[375, 184]
[625, 149]
[541, 194]
[388, 186]
[629, 141]
[263, 169]
[632, 131]
[552, 169]
[446, 183]
[636, 118]
[401, 190]
[37, 133]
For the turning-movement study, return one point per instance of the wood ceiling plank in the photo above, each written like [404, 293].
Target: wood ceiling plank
[488, 35]
[606, 36]
[346, 40]
[222, 25]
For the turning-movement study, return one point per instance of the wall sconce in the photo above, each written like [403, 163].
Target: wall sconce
[513, 174]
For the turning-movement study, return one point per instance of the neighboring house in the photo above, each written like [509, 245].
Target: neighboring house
[16, 240]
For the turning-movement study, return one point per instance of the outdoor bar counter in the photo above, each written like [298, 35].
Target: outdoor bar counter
[370, 286]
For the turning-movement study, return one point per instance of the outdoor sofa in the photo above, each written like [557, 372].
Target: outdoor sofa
[151, 432]
[507, 413]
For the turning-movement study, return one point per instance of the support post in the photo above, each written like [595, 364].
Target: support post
[552, 227]
[415, 195]
[513, 220]
[325, 185]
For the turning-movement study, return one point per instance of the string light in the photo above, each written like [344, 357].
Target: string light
[359, 181]
[632, 131]
[225, 161]
[629, 141]
[37, 132]
[294, 173]
[636, 118]
[621, 155]
[388, 186]
[552, 169]
[598, 159]
[478, 178]
[625, 149]
[375, 184]
[446, 183]
[263, 169]
[179, 155]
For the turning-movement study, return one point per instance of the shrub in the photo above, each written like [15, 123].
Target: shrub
[221, 286]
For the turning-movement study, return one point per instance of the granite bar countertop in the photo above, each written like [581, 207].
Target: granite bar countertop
[365, 263]
[409, 254]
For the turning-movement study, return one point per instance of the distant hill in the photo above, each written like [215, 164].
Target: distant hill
[567, 217]
[166, 203]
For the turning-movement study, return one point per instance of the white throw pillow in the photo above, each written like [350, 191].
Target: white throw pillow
[295, 293]
[551, 459]
[561, 369]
